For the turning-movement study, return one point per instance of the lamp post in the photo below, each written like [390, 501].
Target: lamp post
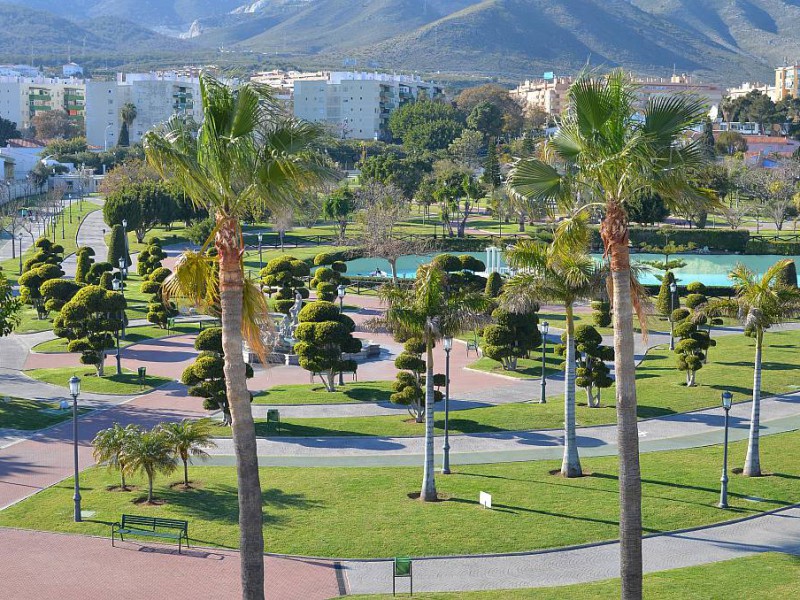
[341, 291]
[20, 252]
[69, 199]
[545, 327]
[448, 345]
[260, 260]
[727, 401]
[673, 289]
[63, 235]
[125, 237]
[118, 287]
[74, 391]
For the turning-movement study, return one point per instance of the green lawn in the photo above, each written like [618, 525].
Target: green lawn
[769, 576]
[660, 387]
[111, 383]
[133, 335]
[11, 266]
[29, 415]
[350, 393]
[527, 368]
[367, 512]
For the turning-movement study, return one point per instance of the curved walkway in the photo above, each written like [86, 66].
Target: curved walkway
[91, 233]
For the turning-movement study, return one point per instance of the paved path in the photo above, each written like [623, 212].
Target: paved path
[685, 430]
[91, 233]
[52, 565]
[775, 532]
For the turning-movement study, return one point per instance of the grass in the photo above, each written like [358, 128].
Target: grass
[527, 368]
[11, 266]
[29, 415]
[133, 335]
[350, 393]
[323, 511]
[111, 383]
[769, 576]
[660, 388]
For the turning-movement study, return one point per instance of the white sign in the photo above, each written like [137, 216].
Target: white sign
[485, 500]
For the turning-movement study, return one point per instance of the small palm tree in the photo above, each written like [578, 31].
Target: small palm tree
[109, 446]
[128, 113]
[431, 310]
[149, 452]
[760, 303]
[560, 272]
[246, 156]
[189, 438]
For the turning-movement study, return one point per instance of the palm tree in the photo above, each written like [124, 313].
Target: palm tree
[189, 438]
[760, 303]
[430, 310]
[246, 156]
[609, 149]
[561, 272]
[149, 452]
[109, 446]
[128, 113]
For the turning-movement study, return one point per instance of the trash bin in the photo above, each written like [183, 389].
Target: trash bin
[142, 375]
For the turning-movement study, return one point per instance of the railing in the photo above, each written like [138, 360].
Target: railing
[776, 237]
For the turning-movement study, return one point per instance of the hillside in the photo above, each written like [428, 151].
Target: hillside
[719, 40]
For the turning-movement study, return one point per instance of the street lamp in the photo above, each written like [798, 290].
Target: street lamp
[448, 345]
[545, 327]
[727, 401]
[118, 286]
[74, 391]
[341, 291]
[260, 261]
[69, 199]
[20, 252]
[125, 237]
[673, 289]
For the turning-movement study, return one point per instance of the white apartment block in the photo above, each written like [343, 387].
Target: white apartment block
[21, 98]
[548, 95]
[156, 96]
[357, 105]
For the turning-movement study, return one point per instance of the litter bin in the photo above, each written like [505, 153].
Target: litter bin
[142, 375]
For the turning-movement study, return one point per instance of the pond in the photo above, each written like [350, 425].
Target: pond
[711, 269]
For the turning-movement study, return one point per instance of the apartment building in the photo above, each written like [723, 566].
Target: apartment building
[22, 98]
[156, 96]
[786, 82]
[550, 93]
[357, 105]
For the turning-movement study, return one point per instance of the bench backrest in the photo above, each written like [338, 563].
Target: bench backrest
[153, 522]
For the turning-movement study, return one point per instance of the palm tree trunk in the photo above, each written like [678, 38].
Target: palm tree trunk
[231, 288]
[615, 236]
[428, 493]
[149, 487]
[185, 472]
[752, 462]
[393, 265]
[571, 463]
[122, 475]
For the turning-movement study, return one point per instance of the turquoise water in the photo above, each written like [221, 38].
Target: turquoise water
[711, 269]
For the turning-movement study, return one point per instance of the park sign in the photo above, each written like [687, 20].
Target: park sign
[485, 500]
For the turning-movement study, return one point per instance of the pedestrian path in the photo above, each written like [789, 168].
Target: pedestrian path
[685, 430]
[774, 532]
[91, 233]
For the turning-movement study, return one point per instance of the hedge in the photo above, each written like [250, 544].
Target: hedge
[728, 240]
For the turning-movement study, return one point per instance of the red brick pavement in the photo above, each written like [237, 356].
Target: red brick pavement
[50, 565]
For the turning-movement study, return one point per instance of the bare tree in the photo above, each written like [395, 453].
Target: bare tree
[383, 208]
[10, 216]
[283, 219]
[772, 190]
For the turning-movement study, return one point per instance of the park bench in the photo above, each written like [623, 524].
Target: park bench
[157, 527]
[199, 319]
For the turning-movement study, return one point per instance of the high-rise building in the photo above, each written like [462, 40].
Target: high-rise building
[786, 82]
[358, 105]
[156, 97]
[22, 98]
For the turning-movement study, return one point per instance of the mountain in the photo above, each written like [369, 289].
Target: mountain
[27, 31]
[719, 40]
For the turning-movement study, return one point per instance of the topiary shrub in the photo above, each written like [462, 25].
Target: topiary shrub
[57, 292]
[592, 373]
[601, 313]
[447, 263]
[96, 272]
[150, 259]
[118, 247]
[326, 280]
[470, 263]
[787, 276]
[512, 337]
[409, 386]
[84, 257]
[494, 285]
[106, 281]
[283, 277]
[323, 335]
[205, 377]
[665, 302]
[31, 282]
[696, 287]
[695, 300]
[158, 312]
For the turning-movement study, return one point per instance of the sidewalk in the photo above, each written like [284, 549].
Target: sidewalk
[774, 532]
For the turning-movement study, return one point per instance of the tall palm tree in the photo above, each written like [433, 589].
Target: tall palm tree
[760, 303]
[560, 272]
[128, 113]
[109, 445]
[189, 438]
[246, 156]
[149, 452]
[431, 310]
[612, 150]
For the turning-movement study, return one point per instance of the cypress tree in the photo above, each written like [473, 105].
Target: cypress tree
[124, 135]
[491, 167]
[118, 248]
[708, 139]
[788, 275]
[663, 301]
[84, 256]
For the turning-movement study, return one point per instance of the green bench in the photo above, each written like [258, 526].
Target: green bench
[136, 525]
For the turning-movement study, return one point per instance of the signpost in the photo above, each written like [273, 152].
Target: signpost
[485, 500]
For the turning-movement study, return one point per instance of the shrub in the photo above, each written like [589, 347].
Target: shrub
[512, 337]
[494, 285]
[695, 300]
[447, 263]
[601, 313]
[200, 231]
[470, 263]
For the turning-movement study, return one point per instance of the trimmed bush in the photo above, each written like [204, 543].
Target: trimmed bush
[494, 285]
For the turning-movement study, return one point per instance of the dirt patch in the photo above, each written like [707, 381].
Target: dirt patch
[144, 502]
[119, 488]
[557, 473]
[413, 421]
[179, 487]
[439, 497]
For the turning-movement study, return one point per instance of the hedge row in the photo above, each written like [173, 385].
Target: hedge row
[729, 240]
[768, 247]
